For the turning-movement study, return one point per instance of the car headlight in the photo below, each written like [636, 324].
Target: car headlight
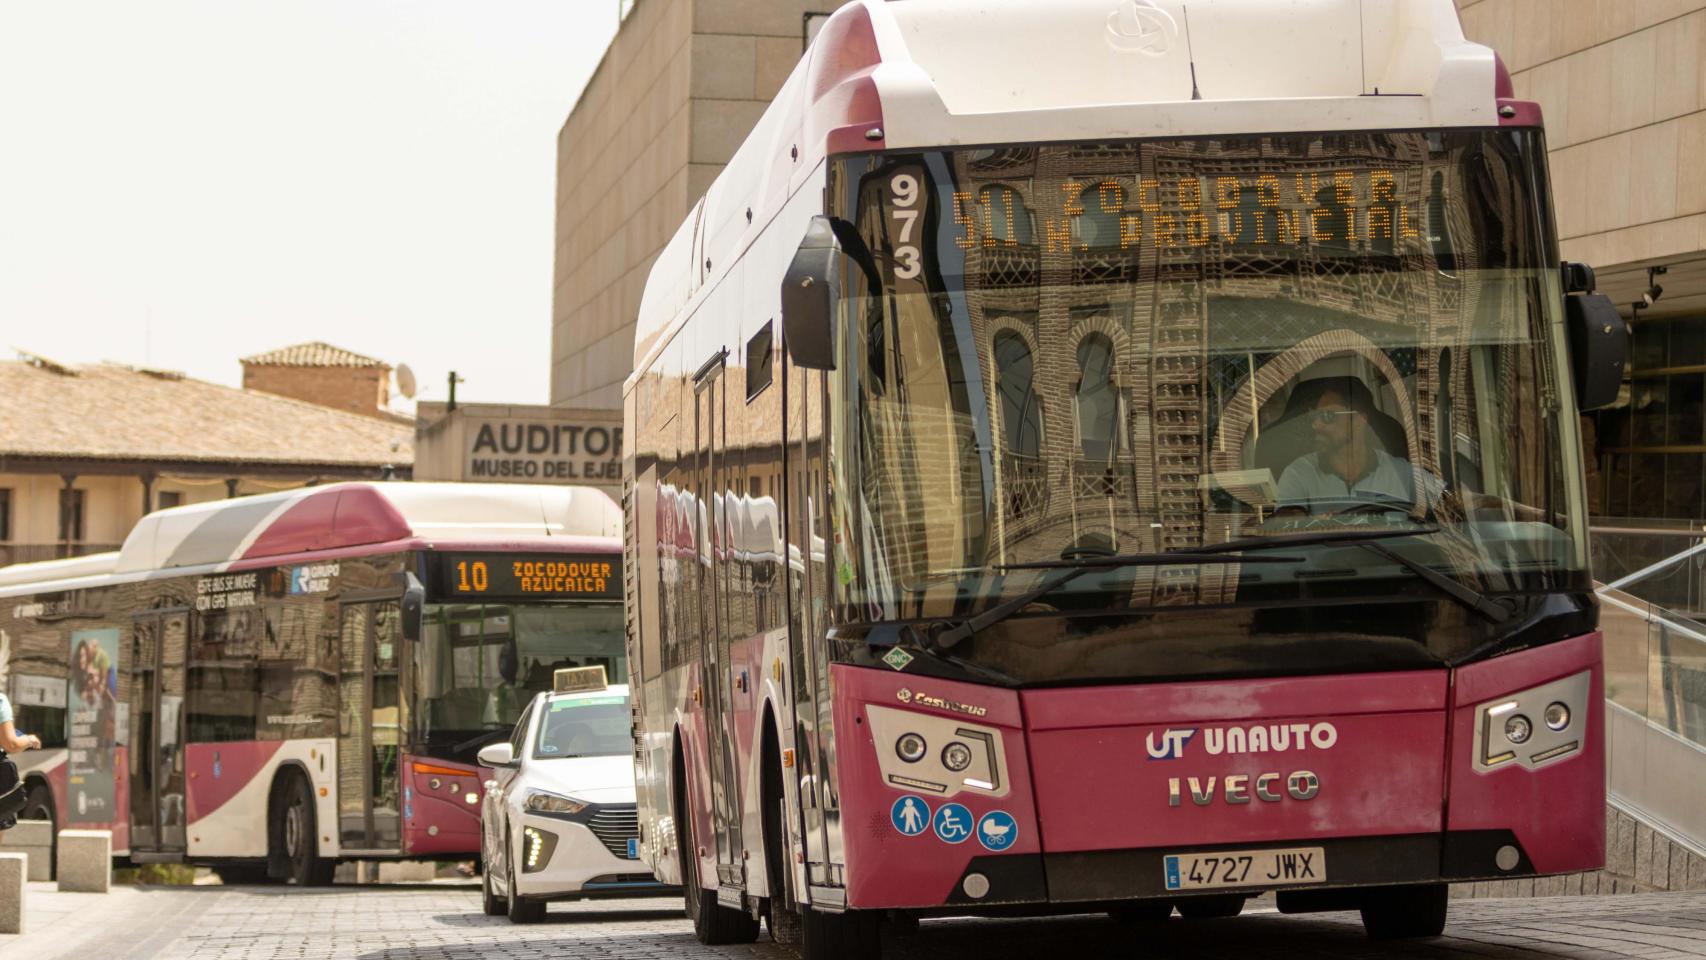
[541, 802]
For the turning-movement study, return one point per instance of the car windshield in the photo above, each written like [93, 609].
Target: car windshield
[1093, 349]
[584, 726]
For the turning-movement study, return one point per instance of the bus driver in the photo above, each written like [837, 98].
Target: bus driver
[1349, 466]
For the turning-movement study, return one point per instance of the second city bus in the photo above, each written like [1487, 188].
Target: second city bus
[271, 684]
[1089, 457]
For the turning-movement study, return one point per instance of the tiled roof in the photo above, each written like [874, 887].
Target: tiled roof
[113, 412]
[314, 354]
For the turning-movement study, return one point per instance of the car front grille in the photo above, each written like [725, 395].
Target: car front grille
[614, 826]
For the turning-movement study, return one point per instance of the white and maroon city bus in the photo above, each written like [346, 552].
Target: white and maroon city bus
[270, 684]
[1117, 455]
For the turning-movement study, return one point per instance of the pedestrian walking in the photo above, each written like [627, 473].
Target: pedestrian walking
[11, 785]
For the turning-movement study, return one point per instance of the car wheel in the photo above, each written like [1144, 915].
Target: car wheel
[520, 908]
[491, 904]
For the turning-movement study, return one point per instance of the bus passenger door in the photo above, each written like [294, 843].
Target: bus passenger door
[373, 715]
[714, 668]
[159, 648]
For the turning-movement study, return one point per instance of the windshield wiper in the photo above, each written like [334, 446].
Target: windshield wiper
[1072, 570]
[1365, 539]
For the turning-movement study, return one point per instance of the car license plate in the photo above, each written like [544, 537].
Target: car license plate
[633, 848]
[1245, 868]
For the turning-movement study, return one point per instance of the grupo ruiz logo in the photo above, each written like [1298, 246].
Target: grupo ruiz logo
[1259, 738]
[1139, 26]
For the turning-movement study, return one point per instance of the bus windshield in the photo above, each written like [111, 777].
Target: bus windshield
[1085, 350]
[479, 665]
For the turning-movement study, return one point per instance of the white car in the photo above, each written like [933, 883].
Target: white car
[558, 819]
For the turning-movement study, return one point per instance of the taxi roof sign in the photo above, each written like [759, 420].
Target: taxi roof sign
[578, 679]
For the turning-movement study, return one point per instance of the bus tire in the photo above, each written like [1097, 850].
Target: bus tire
[853, 935]
[779, 915]
[713, 923]
[1215, 907]
[1403, 913]
[38, 805]
[293, 836]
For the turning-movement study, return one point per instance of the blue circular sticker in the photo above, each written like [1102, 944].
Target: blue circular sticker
[953, 823]
[997, 830]
[910, 815]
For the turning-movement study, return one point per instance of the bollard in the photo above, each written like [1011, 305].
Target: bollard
[34, 837]
[85, 861]
[13, 868]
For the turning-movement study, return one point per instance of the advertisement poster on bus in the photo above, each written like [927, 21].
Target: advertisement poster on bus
[92, 691]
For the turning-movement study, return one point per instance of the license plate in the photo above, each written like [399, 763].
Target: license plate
[633, 848]
[1245, 868]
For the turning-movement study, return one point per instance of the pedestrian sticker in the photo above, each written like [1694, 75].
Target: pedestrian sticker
[897, 658]
[997, 830]
[953, 823]
[910, 815]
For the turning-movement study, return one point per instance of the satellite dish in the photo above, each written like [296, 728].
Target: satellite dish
[405, 381]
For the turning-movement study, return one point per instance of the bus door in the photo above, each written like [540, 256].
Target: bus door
[714, 672]
[373, 714]
[159, 648]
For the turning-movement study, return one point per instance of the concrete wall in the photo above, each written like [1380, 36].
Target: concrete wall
[363, 390]
[1622, 84]
[679, 89]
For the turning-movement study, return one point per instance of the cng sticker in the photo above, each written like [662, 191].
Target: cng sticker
[997, 830]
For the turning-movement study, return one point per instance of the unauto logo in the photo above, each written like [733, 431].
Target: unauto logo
[1172, 744]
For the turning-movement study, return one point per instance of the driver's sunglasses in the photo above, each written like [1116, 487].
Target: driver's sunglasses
[1331, 416]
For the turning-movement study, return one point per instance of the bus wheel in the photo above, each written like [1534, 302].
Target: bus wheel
[1212, 907]
[780, 916]
[1397, 913]
[38, 805]
[713, 923]
[854, 935]
[295, 832]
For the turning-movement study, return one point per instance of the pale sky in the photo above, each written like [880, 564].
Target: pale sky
[185, 183]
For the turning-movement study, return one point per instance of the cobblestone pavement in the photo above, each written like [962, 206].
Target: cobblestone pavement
[444, 923]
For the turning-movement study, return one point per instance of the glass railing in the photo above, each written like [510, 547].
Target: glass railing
[1652, 592]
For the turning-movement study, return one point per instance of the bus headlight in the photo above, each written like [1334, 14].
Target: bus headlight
[956, 756]
[910, 747]
[1504, 734]
[549, 803]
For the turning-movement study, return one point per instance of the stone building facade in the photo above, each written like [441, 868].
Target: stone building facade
[322, 374]
[680, 87]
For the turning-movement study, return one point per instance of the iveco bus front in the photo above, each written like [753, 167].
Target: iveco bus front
[1182, 482]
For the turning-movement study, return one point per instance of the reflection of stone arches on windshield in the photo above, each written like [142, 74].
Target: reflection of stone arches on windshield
[1229, 460]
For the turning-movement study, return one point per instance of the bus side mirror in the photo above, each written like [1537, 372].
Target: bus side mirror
[808, 298]
[497, 755]
[1599, 340]
[411, 606]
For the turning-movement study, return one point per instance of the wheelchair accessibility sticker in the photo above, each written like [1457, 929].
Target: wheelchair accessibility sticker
[953, 823]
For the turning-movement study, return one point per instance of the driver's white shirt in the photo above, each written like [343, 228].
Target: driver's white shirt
[1304, 483]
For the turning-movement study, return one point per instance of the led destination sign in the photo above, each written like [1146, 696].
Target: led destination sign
[540, 577]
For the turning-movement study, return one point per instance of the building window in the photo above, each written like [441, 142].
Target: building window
[70, 515]
[1021, 412]
[759, 362]
[5, 514]
[1097, 400]
[169, 499]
